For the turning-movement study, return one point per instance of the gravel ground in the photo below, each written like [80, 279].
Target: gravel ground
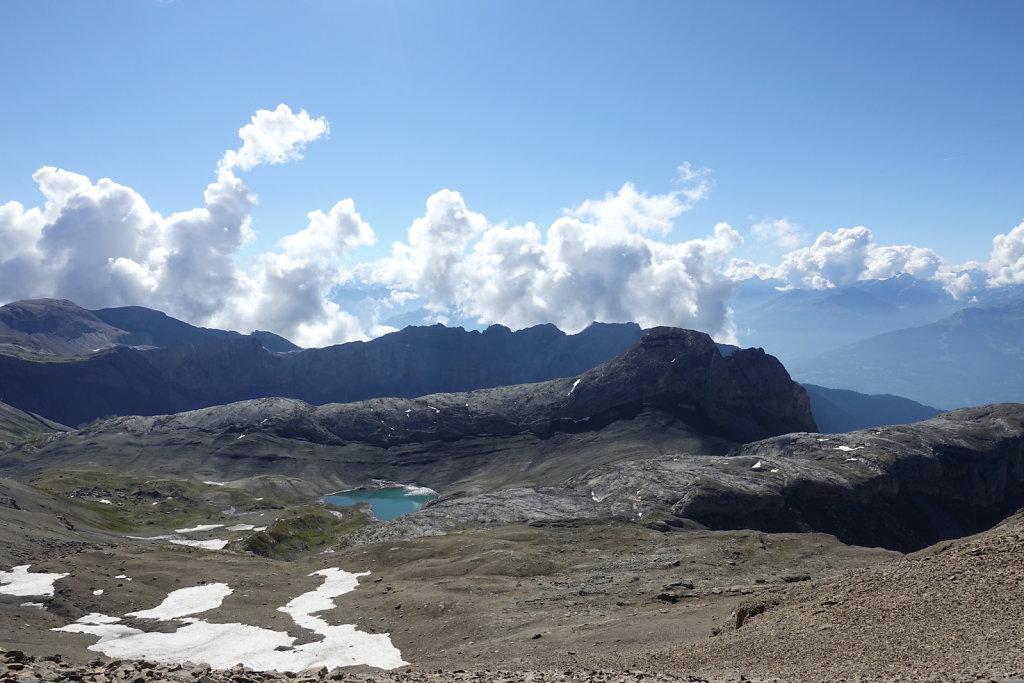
[952, 612]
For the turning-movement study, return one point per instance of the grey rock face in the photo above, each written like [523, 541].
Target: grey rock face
[745, 396]
[901, 487]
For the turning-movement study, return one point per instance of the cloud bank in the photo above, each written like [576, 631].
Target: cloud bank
[594, 263]
[613, 259]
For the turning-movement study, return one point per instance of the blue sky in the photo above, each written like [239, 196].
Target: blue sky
[904, 117]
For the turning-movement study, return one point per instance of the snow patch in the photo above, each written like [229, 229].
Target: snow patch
[186, 601]
[411, 490]
[201, 527]
[98, 591]
[212, 544]
[105, 501]
[847, 449]
[214, 483]
[574, 385]
[222, 646]
[757, 465]
[19, 582]
[241, 527]
[97, 618]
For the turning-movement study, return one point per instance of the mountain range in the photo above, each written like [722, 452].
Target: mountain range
[55, 370]
[618, 514]
[971, 357]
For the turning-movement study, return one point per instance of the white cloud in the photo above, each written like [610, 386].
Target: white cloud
[595, 263]
[1006, 265]
[273, 137]
[100, 244]
[330, 235]
[779, 232]
[430, 263]
[846, 256]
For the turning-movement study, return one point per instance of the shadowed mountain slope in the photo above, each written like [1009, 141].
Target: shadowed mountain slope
[974, 356]
[841, 410]
[416, 361]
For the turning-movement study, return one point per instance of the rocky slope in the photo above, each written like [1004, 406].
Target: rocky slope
[673, 391]
[901, 487]
[17, 425]
[951, 612]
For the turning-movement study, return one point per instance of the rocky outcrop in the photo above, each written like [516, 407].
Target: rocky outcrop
[900, 487]
[673, 392]
[744, 396]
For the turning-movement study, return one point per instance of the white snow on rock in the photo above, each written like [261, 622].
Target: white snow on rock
[97, 618]
[105, 501]
[186, 601]
[224, 645]
[217, 483]
[411, 490]
[757, 465]
[574, 385]
[201, 527]
[847, 449]
[241, 527]
[19, 582]
[33, 605]
[212, 544]
[98, 591]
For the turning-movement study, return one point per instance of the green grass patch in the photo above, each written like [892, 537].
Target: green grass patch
[305, 531]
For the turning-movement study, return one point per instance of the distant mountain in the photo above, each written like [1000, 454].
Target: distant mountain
[416, 361]
[153, 328]
[53, 327]
[972, 357]
[59, 328]
[200, 368]
[841, 410]
[797, 324]
[670, 392]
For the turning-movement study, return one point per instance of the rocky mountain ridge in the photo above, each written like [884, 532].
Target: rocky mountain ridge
[900, 487]
[194, 368]
[58, 329]
[671, 391]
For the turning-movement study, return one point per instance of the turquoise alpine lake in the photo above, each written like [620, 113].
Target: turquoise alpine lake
[386, 503]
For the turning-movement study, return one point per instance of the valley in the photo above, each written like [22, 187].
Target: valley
[673, 509]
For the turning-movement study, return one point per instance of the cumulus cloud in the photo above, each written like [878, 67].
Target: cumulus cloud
[1006, 265]
[100, 244]
[595, 263]
[329, 235]
[779, 232]
[846, 256]
[273, 137]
